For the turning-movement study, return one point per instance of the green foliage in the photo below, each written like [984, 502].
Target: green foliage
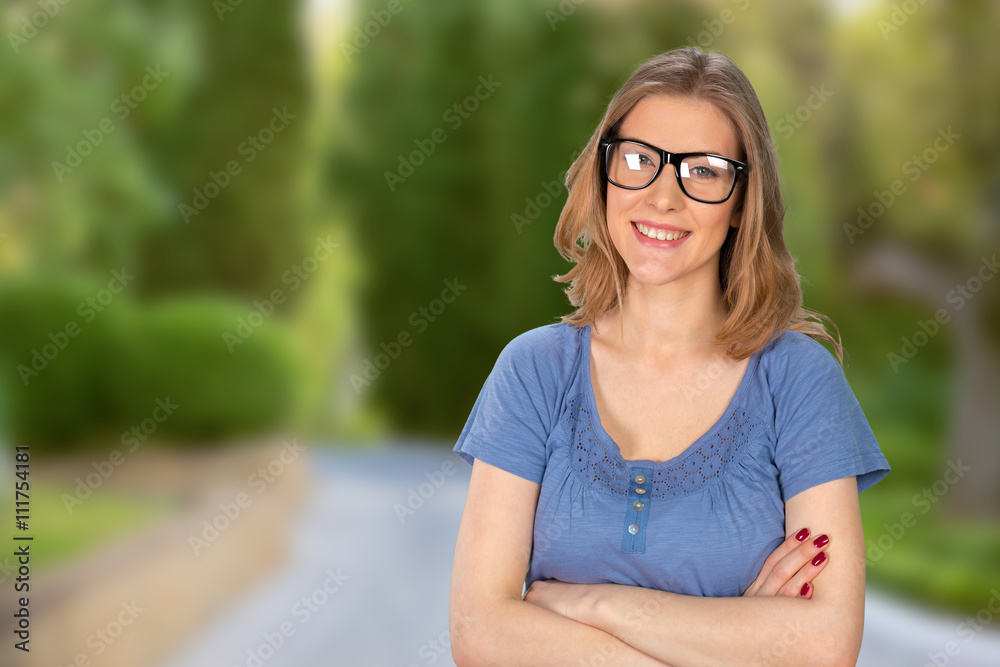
[70, 391]
[246, 67]
[189, 101]
[51, 378]
[217, 86]
[176, 349]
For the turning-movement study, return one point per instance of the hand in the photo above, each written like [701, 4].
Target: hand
[573, 602]
[558, 596]
[790, 568]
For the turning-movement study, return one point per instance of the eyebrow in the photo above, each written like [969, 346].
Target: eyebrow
[643, 141]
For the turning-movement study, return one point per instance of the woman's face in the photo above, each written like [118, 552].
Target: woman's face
[681, 125]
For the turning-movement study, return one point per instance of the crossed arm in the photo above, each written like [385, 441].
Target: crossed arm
[579, 624]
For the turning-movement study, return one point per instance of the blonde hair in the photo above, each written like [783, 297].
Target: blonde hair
[760, 286]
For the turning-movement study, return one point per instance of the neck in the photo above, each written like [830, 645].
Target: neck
[662, 320]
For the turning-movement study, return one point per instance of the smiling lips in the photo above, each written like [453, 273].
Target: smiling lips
[660, 234]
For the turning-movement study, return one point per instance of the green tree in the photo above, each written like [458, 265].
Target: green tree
[918, 207]
[481, 202]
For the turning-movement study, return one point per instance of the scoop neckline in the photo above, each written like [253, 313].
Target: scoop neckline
[606, 439]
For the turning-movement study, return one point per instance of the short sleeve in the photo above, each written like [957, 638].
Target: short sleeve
[821, 432]
[512, 416]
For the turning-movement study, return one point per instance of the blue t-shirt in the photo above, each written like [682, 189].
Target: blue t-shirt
[701, 523]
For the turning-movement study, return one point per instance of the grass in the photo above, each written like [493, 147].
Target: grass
[105, 516]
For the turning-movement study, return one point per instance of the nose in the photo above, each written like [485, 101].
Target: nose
[664, 193]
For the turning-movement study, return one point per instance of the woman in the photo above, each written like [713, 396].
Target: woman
[656, 460]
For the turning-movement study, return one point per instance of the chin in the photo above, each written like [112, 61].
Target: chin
[652, 279]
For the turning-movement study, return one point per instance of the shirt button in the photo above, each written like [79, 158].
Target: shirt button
[640, 491]
[633, 528]
[640, 479]
[638, 504]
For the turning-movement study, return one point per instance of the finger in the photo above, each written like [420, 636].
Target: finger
[802, 581]
[798, 568]
[532, 588]
[800, 559]
[791, 543]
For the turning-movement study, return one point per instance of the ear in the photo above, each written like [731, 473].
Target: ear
[736, 218]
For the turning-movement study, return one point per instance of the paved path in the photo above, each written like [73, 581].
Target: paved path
[365, 589]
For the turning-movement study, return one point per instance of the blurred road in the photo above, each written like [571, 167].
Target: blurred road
[367, 583]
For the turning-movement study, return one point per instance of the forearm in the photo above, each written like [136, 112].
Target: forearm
[689, 630]
[516, 632]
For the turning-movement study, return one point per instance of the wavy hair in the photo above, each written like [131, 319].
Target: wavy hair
[760, 286]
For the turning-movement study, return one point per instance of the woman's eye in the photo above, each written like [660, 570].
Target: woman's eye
[638, 160]
[705, 167]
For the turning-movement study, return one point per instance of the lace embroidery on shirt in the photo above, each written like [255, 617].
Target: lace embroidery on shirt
[599, 464]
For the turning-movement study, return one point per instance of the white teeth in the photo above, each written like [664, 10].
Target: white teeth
[659, 234]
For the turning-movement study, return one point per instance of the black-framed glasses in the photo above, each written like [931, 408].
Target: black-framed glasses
[704, 177]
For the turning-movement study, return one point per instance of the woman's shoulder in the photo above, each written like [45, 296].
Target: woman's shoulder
[795, 351]
[548, 350]
[559, 339]
[794, 365]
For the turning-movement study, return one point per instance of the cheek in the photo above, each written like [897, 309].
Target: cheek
[619, 203]
[713, 217]
[614, 205]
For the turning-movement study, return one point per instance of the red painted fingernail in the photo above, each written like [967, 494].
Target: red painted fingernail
[805, 589]
[821, 541]
[802, 534]
[820, 557]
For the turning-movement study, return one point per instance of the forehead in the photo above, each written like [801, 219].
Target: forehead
[681, 125]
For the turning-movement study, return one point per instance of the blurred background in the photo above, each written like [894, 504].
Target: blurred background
[257, 259]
